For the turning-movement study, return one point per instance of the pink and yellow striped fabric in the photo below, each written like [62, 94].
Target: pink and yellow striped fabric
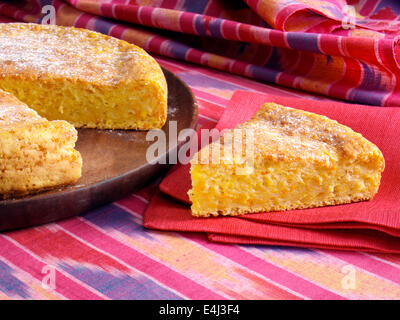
[107, 254]
[337, 48]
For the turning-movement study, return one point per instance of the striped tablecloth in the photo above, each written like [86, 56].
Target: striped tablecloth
[107, 254]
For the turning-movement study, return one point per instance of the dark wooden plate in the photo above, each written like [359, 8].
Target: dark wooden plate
[114, 165]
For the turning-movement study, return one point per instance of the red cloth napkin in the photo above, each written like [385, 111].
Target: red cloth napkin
[371, 225]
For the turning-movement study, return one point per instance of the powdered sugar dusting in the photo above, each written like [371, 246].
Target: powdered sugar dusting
[45, 50]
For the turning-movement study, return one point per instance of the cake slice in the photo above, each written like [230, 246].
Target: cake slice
[86, 78]
[35, 154]
[296, 160]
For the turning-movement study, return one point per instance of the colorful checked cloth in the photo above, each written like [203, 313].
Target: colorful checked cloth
[107, 254]
[338, 48]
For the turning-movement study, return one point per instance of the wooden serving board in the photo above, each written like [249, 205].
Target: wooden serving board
[114, 165]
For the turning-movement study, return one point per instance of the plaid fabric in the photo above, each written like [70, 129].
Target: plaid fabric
[107, 254]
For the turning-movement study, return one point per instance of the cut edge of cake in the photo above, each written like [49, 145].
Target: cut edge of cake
[300, 160]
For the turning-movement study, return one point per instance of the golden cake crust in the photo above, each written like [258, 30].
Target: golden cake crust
[13, 112]
[288, 134]
[300, 159]
[49, 51]
[300, 134]
[121, 85]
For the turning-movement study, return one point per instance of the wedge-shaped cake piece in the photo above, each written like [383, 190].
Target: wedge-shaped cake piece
[297, 160]
[84, 77]
[35, 154]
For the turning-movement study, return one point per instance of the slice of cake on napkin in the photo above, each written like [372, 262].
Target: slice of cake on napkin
[295, 160]
[35, 154]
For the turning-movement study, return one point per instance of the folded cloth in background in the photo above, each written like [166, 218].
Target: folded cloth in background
[371, 225]
[346, 49]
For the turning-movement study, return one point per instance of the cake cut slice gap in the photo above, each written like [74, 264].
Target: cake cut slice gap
[35, 154]
[287, 159]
